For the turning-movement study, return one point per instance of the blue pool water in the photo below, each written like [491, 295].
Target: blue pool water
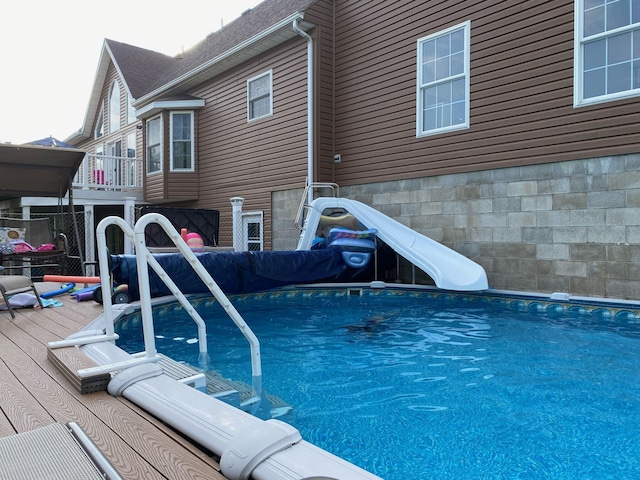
[424, 387]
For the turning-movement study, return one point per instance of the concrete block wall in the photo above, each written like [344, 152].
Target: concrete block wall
[564, 227]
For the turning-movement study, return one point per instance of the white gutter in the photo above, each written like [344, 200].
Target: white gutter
[309, 40]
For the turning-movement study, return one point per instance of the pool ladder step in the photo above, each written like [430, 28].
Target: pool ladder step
[238, 394]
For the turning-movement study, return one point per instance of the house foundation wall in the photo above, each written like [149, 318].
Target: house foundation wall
[569, 227]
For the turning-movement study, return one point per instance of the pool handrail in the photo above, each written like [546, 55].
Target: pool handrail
[144, 258]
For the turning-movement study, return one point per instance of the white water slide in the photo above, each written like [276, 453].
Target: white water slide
[448, 269]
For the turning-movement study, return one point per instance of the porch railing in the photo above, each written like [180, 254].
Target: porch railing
[105, 172]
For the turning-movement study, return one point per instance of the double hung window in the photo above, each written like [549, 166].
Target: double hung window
[182, 141]
[154, 145]
[443, 81]
[607, 50]
[259, 96]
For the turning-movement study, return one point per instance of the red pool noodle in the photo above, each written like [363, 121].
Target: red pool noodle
[70, 278]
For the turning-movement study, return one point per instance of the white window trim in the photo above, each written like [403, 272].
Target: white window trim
[467, 47]
[252, 217]
[146, 149]
[578, 87]
[115, 87]
[270, 74]
[171, 165]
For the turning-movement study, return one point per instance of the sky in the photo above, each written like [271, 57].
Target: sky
[49, 53]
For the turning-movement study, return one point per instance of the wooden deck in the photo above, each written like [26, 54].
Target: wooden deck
[33, 393]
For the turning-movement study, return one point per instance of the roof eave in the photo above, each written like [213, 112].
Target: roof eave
[94, 100]
[153, 108]
[275, 35]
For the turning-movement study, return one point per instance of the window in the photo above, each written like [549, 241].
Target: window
[130, 169]
[259, 96]
[113, 164]
[131, 145]
[154, 145]
[131, 112]
[443, 81]
[252, 227]
[99, 131]
[98, 171]
[182, 141]
[607, 50]
[114, 108]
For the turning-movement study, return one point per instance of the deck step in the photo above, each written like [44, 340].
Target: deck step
[68, 360]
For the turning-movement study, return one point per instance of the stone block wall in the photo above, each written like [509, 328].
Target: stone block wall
[569, 227]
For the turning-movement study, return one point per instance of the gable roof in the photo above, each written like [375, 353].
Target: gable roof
[149, 75]
[139, 68]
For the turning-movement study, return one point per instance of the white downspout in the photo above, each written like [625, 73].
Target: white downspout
[309, 40]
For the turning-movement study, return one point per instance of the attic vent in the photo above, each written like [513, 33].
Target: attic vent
[245, 12]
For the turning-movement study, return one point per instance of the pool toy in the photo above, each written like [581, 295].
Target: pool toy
[195, 242]
[83, 296]
[356, 245]
[70, 278]
[68, 287]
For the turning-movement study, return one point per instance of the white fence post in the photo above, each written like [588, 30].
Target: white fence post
[238, 234]
[130, 219]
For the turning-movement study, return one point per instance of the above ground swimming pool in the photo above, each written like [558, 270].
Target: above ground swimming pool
[421, 384]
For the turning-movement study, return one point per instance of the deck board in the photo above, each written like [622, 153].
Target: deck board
[34, 393]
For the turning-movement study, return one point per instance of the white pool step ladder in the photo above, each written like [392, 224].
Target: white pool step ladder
[236, 393]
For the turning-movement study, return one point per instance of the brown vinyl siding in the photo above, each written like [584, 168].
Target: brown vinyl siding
[521, 106]
[252, 159]
[321, 15]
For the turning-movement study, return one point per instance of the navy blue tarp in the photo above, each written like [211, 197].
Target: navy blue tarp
[237, 272]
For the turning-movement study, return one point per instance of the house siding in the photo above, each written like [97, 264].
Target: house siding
[541, 194]
[251, 159]
[521, 99]
[321, 14]
[92, 143]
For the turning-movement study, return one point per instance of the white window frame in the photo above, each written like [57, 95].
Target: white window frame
[159, 145]
[131, 153]
[252, 218]
[99, 131]
[422, 84]
[191, 141]
[115, 122]
[250, 100]
[578, 63]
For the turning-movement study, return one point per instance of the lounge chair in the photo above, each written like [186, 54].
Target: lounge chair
[12, 284]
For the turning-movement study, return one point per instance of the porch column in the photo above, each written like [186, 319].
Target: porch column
[238, 233]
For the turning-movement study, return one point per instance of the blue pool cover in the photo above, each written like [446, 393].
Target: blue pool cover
[239, 272]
